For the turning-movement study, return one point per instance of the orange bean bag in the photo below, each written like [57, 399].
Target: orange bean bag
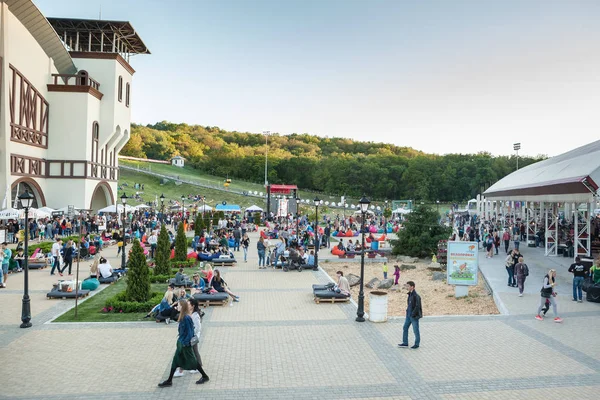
[337, 252]
[192, 255]
[349, 233]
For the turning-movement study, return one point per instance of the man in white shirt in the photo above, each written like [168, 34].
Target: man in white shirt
[56, 254]
[152, 241]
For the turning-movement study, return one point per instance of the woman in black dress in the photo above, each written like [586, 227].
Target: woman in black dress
[184, 354]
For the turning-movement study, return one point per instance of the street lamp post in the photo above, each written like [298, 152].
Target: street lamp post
[317, 241]
[26, 200]
[123, 256]
[364, 206]
[384, 218]
[517, 147]
[297, 224]
[162, 208]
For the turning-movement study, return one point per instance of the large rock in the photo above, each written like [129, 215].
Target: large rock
[439, 276]
[372, 283]
[353, 280]
[385, 284]
[405, 267]
[434, 266]
[408, 259]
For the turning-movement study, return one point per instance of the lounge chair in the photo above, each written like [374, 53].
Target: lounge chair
[215, 299]
[329, 296]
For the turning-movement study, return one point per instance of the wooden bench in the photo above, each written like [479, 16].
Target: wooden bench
[331, 300]
[223, 262]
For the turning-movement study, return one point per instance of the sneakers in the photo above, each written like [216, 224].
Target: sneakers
[520, 294]
[539, 317]
[558, 319]
[414, 347]
[236, 299]
[574, 299]
[402, 345]
[194, 371]
[167, 321]
[178, 374]
[202, 380]
[580, 301]
[165, 384]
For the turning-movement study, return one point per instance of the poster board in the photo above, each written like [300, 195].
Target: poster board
[463, 263]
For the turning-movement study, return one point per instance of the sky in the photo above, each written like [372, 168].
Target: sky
[441, 76]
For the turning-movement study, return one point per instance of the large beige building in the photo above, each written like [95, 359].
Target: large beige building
[65, 105]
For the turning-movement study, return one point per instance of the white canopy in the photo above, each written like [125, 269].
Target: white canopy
[369, 212]
[401, 211]
[65, 210]
[47, 209]
[35, 213]
[9, 213]
[111, 208]
[205, 208]
[141, 206]
[254, 208]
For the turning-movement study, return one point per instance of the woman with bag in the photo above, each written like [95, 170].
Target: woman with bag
[68, 257]
[521, 272]
[245, 245]
[548, 292]
[184, 354]
[510, 269]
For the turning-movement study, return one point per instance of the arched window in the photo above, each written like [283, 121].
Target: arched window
[95, 140]
[120, 91]
[127, 94]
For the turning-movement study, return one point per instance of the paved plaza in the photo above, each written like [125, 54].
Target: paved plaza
[277, 343]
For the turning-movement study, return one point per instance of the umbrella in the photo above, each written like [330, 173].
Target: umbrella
[254, 208]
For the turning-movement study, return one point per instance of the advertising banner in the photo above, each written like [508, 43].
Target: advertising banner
[463, 263]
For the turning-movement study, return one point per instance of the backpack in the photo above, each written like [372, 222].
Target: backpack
[525, 270]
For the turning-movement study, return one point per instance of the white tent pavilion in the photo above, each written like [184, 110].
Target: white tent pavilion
[254, 208]
[205, 208]
[34, 213]
[65, 210]
[401, 211]
[46, 209]
[111, 208]
[9, 213]
[139, 206]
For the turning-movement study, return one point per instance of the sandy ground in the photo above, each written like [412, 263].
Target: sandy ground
[437, 297]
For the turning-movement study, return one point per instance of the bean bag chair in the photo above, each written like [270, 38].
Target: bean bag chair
[329, 294]
[90, 284]
[309, 228]
[356, 233]
[593, 293]
[349, 233]
[389, 230]
[263, 235]
[110, 279]
[192, 255]
[231, 242]
[172, 254]
[92, 250]
[368, 239]
[316, 287]
[215, 298]
[372, 229]
[337, 252]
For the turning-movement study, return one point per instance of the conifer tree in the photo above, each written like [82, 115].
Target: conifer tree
[163, 253]
[138, 275]
[198, 225]
[180, 244]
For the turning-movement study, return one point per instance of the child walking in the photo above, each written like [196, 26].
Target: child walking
[396, 274]
[385, 270]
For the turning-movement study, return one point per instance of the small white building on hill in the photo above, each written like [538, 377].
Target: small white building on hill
[177, 161]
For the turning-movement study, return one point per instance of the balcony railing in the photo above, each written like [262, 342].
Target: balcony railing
[79, 79]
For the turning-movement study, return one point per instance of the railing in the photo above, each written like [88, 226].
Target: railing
[79, 79]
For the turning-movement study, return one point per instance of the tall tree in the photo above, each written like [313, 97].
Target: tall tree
[163, 253]
[421, 233]
[180, 244]
[138, 275]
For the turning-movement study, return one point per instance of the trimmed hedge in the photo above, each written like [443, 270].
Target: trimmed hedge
[184, 264]
[159, 278]
[118, 303]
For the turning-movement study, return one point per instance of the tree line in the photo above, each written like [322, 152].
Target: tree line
[336, 166]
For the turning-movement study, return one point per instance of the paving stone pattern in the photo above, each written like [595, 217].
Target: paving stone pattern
[278, 344]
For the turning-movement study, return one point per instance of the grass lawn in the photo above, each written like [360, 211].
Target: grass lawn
[90, 310]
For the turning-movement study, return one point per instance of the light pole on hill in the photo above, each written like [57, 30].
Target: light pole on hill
[123, 256]
[182, 208]
[26, 200]
[317, 241]
[297, 224]
[517, 147]
[162, 208]
[364, 206]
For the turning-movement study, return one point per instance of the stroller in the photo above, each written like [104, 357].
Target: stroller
[294, 261]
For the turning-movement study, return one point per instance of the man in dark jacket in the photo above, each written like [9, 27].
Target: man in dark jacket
[414, 312]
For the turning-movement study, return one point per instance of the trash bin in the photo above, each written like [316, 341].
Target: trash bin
[378, 306]
[375, 245]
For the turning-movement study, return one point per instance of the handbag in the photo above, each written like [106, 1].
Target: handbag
[194, 341]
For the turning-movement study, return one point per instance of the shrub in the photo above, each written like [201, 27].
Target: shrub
[163, 252]
[138, 276]
[180, 244]
[120, 303]
[421, 233]
[257, 220]
[182, 264]
[154, 278]
[198, 225]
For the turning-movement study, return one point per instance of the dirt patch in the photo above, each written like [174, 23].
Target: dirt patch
[437, 297]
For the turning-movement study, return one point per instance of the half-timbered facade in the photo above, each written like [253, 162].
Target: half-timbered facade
[65, 105]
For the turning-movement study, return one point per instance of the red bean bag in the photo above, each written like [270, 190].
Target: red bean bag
[192, 255]
[172, 254]
[337, 252]
[368, 239]
[263, 235]
[349, 233]
[372, 229]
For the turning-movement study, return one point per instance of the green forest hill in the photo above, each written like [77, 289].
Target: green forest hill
[336, 166]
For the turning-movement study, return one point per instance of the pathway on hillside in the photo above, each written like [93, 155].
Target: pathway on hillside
[277, 343]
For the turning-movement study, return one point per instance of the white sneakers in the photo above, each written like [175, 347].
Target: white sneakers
[178, 374]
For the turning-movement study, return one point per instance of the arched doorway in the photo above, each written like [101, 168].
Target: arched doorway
[27, 184]
[102, 196]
